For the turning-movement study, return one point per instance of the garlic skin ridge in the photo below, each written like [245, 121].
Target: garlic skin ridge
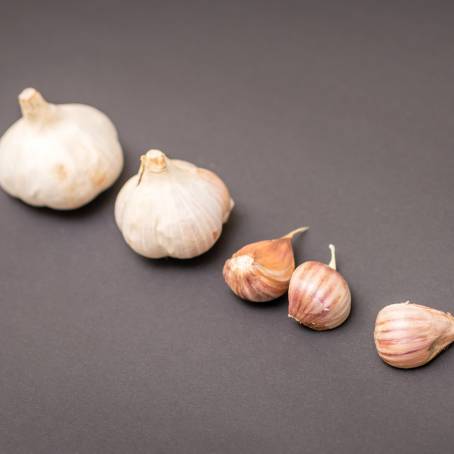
[59, 156]
[261, 271]
[172, 208]
[319, 296]
[410, 335]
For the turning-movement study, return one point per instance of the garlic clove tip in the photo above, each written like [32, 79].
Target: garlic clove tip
[332, 263]
[295, 232]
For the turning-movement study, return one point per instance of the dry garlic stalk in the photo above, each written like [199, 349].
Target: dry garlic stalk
[60, 156]
[172, 208]
[319, 297]
[261, 271]
[409, 335]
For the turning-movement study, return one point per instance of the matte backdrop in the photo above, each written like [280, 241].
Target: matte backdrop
[338, 115]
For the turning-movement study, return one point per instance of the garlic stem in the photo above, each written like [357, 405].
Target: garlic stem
[332, 263]
[153, 161]
[295, 232]
[33, 105]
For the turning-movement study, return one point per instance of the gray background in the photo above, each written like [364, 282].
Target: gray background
[338, 115]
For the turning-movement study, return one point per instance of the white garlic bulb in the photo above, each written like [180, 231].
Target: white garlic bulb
[59, 156]
[172, 208]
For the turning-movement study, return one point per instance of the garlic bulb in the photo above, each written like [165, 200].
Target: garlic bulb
[319, 297]
[261, 271]
[410, 335]
[172, 208]
[60, 156]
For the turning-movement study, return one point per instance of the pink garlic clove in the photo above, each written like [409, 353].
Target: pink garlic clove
[410, 335]
[319, 297]
[261, 271]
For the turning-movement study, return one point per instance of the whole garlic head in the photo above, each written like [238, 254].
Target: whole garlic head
[172, 208]
[60, 156]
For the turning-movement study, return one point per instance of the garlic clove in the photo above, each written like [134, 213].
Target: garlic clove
[172, 208]
[60, 156]
[410, 335]
[319, 297]
[261, 271]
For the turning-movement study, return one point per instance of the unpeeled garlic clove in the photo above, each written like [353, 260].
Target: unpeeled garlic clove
[172, 208]
[261, 271]
[410, 335]
[58, 155]
[319, 297]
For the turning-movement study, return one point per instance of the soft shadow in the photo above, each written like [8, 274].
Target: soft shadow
[267, 305]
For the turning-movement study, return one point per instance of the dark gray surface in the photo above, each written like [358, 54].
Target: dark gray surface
[333, 114]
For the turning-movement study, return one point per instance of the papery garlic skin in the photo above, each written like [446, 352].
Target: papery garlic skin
[172, 208]
[59, 156]
[319, 296]
[261, 271]
[410, 335]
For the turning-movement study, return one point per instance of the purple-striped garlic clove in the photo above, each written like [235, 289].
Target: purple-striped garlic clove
[410, 335]
[319, 297]
[261, 271]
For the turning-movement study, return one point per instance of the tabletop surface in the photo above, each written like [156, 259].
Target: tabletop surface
[336, 115]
